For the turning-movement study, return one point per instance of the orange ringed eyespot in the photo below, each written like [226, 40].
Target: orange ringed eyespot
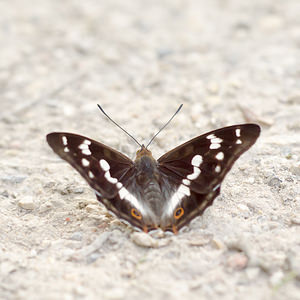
[178, 213]
[136, 214]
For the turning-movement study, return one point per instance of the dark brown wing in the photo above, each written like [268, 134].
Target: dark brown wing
[87, 155]
[216, 152]
[111, 174]
[196, 169]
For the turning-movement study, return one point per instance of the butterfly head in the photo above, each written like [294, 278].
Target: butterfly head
[143, 152]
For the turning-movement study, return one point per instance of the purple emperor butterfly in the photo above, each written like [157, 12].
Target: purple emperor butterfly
[166, 193]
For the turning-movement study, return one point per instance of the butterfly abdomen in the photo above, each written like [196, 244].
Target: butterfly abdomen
[153, 197]
[148, 180]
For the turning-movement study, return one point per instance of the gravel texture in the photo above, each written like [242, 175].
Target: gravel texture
[228, 62]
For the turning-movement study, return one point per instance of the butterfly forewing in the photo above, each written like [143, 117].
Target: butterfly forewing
[204, 161]
[101, 166]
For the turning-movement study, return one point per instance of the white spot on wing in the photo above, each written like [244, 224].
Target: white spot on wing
[85, 162]
[175, 200]
[109, 178]
[195, 174]
[238, 132]
[197, 160]
[64, 140]
[211, 136]
[83, 146]
[238, 141]
[220, 156]
[104, 165]
[91, 175]
[184, 190]
[216, 140]
[86, 151]
[214, 146]
[218, 169]
[66, 149]
[124, 194]
[186, 181]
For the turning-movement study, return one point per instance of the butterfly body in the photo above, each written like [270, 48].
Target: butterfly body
[166, 193]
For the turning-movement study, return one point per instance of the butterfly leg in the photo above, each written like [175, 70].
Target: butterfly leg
[174, 228]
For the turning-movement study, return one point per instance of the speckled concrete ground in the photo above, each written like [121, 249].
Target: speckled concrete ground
[229, 62]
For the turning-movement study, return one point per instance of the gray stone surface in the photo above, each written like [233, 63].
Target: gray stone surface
[228, 62]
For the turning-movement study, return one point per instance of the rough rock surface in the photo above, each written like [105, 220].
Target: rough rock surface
[229, 62]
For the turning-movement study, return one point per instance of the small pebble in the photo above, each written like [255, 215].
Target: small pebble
[4, 194]
[275, 182]
[163, 52]
[82, 204]
[33, 253]
[295, 220]
[80, 292]
[213, 88]
[243, 207]
[144, 240]
[92, 208]
[235, 83]
[158, 234]
[7, 267]
[289, 179]
[252, 273]
[49, 185]
[12, 179]
[295, 170]
[218, 244]
[46, 206]
[76, 236]
[250, 180]
[273, 225]
[78, 190]
[294, 261]
[56, 203]
[27, 203]
[200, 241]
[271, 22]
[295, 99]
[93, 257]
[237, 261]
[276, 278]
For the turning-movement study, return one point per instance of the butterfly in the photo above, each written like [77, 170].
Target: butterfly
[166, 193]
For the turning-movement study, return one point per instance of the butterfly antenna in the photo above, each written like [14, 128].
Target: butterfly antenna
[118, 125]
[177, 111]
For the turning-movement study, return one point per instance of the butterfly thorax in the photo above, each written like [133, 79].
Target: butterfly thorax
[148, 177]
